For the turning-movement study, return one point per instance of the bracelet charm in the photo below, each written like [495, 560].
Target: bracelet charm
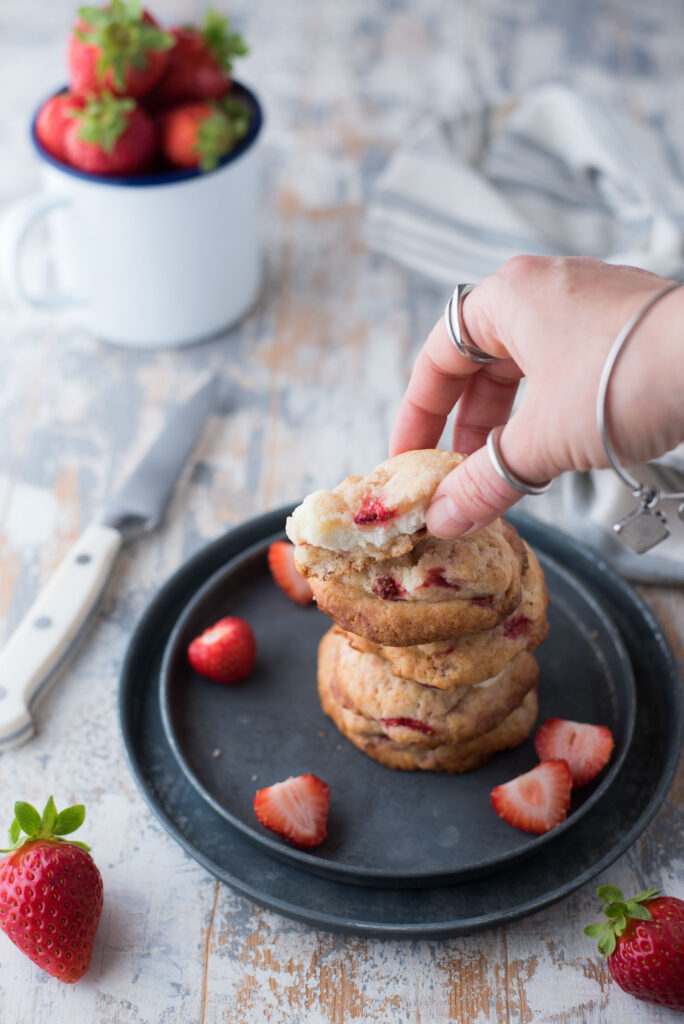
[643, 527]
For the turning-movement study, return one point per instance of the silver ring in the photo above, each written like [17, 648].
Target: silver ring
[456, 329]
[503, 470]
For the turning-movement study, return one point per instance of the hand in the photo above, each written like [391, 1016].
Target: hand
[553, 321]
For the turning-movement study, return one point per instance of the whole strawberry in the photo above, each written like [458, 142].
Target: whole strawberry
[643, 938]
[120, 48]
[199, 65]
[201, 134]
[110, 135]
[53, 121]
[50, 890]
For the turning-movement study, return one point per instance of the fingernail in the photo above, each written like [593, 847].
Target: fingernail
[445, 519]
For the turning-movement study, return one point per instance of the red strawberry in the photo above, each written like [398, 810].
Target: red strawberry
[225, 652]
[200, 134]
[282, 565]
[536, 801]
[50, 891]
[120, 48]
[53, 120]
[296, 809]
[643, 939]
[199, 64]
[586, 748]
[110, 135]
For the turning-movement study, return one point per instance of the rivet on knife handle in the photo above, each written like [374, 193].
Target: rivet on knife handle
[29, 660]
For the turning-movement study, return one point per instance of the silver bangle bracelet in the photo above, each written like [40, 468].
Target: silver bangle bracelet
[645, 526]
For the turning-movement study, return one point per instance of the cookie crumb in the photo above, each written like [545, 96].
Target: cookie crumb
[339, 746]
[594, 634]
[216, 753]
[322, 735]
[254, 778]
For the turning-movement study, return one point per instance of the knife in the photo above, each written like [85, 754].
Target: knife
[50, 629]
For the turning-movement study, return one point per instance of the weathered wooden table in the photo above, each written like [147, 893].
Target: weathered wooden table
[316, 371]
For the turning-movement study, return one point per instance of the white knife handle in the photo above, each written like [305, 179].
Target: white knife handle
[47, 631]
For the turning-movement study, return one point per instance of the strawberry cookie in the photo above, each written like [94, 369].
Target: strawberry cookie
[439, 590]
[377, 572]
[368, 519]
[374, 702]
[449, 757]
[465, 660]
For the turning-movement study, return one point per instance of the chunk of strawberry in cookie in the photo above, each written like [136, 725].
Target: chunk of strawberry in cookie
[515, 626]
[388, 589]
[436, 578]
[372, 510]
[409, 723]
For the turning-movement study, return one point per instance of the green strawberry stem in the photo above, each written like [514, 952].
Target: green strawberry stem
[104, 119]
[220, 132]
[221, 41]
[618, 911]
[123, 36]
[50, 825]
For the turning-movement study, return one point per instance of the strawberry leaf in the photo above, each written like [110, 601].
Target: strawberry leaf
[27, 816]
[648, 894]
[614, 910]
[607, 943]
[14, 832]
[93, 16]
[215, 138]
[636, 911]
[69, 820]
[610, 894]
[594, 930]
[49, 818]
[221, 41]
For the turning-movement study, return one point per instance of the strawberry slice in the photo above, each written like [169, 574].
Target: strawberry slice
[586, 748]
[536, 801]
[296, 809]
[282, 565]
[225, 652]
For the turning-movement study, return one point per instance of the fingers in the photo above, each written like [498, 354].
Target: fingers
[474, 495]
[439, 377]
[470, 497]
[486, 402]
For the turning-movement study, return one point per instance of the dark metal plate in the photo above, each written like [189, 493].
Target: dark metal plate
[556, 869]
[386, 827]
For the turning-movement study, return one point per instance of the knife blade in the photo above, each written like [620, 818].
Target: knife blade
[50, 630]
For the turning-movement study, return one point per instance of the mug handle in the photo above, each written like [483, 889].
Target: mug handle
[14, 228]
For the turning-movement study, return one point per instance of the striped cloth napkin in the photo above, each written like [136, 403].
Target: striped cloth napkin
[555, 172]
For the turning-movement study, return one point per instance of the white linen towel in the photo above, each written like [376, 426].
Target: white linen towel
[555, 172]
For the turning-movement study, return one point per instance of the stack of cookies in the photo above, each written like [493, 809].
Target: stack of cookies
[429, 663]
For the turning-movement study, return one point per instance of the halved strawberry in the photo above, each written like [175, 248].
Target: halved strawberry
[225, 652]
[536, 801]
[586, 748]
[296, 809]
[282, 565]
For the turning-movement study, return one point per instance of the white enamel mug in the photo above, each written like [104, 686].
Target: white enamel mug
[157, 260]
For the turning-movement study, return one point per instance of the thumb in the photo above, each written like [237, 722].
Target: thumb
[472, 495]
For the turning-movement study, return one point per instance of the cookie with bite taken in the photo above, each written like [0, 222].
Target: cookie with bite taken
[375, 569]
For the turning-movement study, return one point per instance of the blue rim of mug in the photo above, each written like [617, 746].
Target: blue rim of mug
[159, 177]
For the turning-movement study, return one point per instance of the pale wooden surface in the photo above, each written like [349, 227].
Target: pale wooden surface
[317, 372]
